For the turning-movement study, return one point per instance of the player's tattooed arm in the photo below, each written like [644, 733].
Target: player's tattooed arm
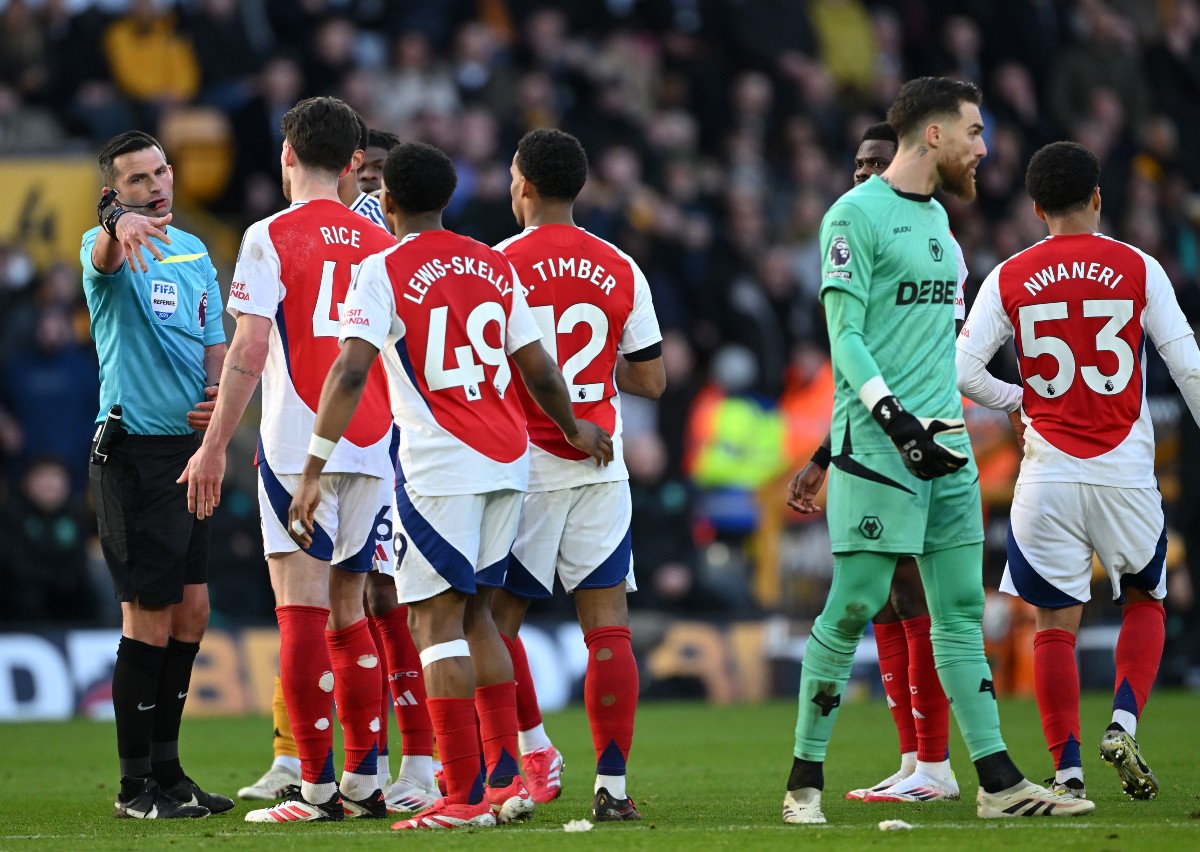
[239, 376]
[244, 370]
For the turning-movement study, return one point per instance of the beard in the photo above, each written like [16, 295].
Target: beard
[957, 180]
[286, 181]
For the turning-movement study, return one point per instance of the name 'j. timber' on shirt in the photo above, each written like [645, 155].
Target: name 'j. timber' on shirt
[591, 302]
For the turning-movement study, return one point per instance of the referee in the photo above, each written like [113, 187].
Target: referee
[156, 319]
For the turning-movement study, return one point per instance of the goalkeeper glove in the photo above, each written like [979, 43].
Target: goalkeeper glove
[914, 437]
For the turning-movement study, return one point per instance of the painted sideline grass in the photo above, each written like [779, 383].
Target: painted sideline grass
[704, 777]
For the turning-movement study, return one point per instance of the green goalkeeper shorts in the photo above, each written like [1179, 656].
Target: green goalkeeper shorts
[875, 504]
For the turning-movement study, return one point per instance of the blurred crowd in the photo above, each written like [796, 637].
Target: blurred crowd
[719, 131]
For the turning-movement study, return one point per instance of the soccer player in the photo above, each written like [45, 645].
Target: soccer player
[415, 788]
[156, 317]
[351, 193]
[449, 315]
[1080, 306]
[888, 293]
[910, 682]
[593, 305]
[291, 278]
[379, 145]
[400, 678]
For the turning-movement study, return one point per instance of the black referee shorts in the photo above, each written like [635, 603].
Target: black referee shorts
[153, 545]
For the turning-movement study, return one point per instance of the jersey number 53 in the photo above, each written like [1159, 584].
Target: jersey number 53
[1118, 313]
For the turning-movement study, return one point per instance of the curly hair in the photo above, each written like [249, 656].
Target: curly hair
[419, 177]
[1061, 177]
[925, 97]
[554, 162]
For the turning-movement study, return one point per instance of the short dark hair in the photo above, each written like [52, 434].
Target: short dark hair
[926, 97]
[363, 133]
[881, 132]
[554, 162]
[323, 133]
[381, 139]
[1061, 177]
[123, 143]
[419, 177]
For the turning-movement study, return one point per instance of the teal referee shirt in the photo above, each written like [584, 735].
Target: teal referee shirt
[151, 329]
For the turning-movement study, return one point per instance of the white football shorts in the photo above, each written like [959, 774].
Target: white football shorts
[353, 521]
[457, 542]
[580, 533]
[1054, 528]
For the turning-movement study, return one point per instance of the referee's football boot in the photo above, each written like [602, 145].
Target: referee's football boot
[188, 792]
[296, 808]
[1120, 751]
[607, 808]
[143, 798]
[1027, 799]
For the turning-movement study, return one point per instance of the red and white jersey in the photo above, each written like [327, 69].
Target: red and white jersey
[1080, 308]
[591, 302]
[446, 311]
[960, 295]
[295, 268]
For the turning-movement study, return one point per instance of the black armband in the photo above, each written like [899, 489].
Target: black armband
[821, 457]
[654, 350]
[108, 211]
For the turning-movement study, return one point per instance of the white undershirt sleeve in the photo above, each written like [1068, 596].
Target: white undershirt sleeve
[981, 387]
[1183, 360]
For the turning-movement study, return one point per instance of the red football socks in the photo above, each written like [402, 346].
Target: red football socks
[610, 693]
[1056, 682]
[1139, 653]
[930, 707]
[385, 694]
[496, 705]
[893, 667]
[458, 741]
[307, 676]
[407, 683]
[356, 693]
[529, 714]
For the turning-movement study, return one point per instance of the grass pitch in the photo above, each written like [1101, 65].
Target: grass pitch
[703, 776]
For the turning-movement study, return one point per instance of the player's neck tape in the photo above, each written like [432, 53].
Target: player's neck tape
[443, 650]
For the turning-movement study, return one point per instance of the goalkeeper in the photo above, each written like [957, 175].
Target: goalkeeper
[888, 288]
